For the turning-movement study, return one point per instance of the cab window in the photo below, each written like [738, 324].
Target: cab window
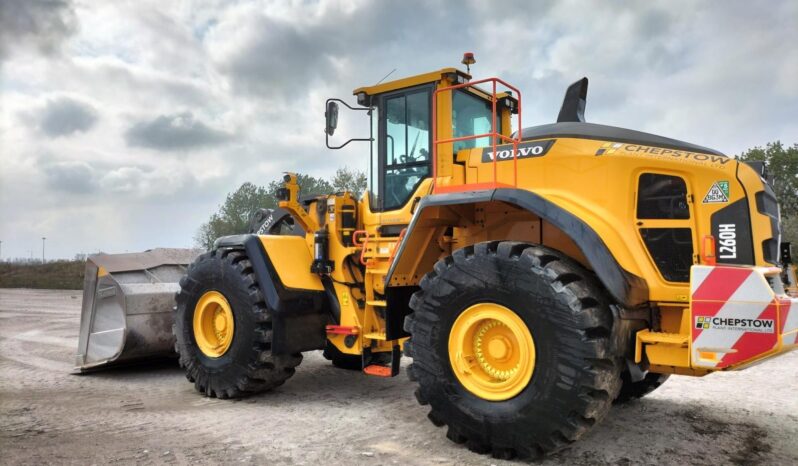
[405, 151]
[471, 115]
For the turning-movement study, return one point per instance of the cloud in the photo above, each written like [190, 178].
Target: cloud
[272, 55]
[279, 53]
[65, 116]
[116, 182]
[40, 24]
[243, 84]
[73, 177]
[175, 132]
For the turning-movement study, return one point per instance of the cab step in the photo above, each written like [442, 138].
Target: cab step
[379, 370]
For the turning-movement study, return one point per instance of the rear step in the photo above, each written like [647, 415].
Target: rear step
[663, 349]
[379, 370]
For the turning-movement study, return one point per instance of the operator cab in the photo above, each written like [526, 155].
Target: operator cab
[401, 134]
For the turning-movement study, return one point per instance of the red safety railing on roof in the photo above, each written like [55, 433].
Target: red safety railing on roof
[494, 135]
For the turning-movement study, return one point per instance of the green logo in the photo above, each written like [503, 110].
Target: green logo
[724, 186]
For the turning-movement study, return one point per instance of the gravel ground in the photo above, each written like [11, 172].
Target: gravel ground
[323, 415]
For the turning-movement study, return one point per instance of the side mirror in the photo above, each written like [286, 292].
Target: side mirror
[331, 114]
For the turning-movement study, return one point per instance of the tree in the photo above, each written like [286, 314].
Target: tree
[233, 215]
[308, 185]
[782, 166]
[346, 179]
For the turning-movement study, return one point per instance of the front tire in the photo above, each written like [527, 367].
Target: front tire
[223, 329]
[575, 369]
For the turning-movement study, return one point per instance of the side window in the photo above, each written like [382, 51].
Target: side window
[662, 197]
[470, 115]
[670, 244]
[406, 146]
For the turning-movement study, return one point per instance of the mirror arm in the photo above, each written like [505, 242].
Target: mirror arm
[347, 142]
[327, 136]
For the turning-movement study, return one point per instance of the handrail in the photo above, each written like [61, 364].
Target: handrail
[494, 135]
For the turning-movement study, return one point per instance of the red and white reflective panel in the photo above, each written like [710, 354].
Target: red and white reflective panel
[736, 316]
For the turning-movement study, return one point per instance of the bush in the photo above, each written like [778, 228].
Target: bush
[59, 275]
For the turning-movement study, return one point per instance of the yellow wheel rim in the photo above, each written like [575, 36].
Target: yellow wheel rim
[213, 324]
[491, 351]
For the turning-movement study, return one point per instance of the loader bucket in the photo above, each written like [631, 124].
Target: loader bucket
[126, 314]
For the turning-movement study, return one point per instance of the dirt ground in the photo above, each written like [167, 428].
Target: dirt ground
[323, 415]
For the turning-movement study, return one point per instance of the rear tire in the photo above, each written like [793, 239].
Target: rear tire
[247, 366]
[636, 390]
[575, 376]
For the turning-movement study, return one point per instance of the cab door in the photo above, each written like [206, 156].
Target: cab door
[404, 155]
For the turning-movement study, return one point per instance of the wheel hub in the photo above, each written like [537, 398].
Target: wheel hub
[499, 349]
[493, 347]
[213, 324]
[491, 351]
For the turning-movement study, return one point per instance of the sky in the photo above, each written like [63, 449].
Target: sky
[124, 124]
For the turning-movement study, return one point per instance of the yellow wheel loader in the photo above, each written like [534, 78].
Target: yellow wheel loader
[535, 276]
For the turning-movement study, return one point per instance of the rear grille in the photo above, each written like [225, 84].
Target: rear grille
[672, 251]
[766, 204]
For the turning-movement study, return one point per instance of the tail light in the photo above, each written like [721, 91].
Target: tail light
[708, 250]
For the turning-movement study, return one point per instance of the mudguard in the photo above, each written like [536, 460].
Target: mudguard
[299, 305]
[626, 288]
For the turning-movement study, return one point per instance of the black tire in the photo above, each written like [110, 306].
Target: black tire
[576, 374]
[248, 366]
[352, 362]
[636, 390]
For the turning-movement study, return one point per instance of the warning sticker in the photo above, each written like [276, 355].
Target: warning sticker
[735, 324]
[718, 193]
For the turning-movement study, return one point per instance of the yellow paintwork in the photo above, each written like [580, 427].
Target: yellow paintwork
[358, 308]
[594, 180]
[292, 204]
[601, 190]
[214, 324]
[663, 349]
[292, 259]
[410, 81]
[491, 351]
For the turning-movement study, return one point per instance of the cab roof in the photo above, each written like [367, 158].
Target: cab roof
[411, 81]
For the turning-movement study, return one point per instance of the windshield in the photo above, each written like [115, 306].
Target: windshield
[471, 115]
